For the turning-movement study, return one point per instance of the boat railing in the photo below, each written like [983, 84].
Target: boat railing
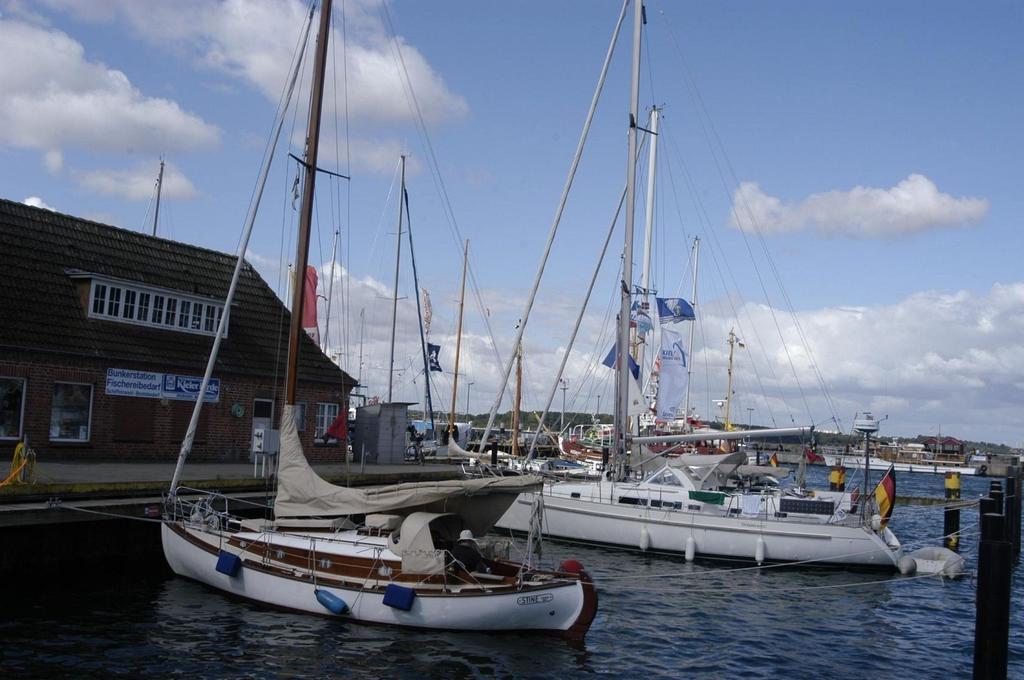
[202, 506]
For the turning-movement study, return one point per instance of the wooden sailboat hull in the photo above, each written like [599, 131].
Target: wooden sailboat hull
[720, 536]
[564, 606]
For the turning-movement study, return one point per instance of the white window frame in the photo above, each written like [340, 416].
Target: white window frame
[92, 396]
[122, 291]
[21, 416]
[322, 422]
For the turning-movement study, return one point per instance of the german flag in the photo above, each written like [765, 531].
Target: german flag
[774, 460]
[885, 494]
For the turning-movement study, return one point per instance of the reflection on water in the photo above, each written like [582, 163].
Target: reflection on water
[658, 616]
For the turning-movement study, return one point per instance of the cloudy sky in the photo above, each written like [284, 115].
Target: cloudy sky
[849, 170]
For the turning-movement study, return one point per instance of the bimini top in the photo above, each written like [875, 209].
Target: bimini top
[301, 492]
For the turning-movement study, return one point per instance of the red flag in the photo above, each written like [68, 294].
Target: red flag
[812, 457]
[339, 428]
[885, 494]
[309, 323]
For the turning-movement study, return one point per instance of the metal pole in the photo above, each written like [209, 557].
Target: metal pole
[186, 444]
[561, 423]
[458, 338]
[554, 225]
[159, 186]
[394, 299]
[867, 469]
[468, 385]
[951, 516]
[693, 323]
[621, 452]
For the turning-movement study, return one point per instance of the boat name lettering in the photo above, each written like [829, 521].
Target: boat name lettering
[534, 599]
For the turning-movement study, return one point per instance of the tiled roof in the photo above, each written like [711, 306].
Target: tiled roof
[40, 309]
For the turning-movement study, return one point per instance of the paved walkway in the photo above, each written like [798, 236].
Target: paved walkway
[47, 472]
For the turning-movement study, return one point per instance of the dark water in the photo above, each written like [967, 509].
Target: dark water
[658, 617]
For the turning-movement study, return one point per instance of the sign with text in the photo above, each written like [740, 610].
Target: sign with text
[123, 382]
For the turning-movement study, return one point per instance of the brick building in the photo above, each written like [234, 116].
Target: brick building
[104, 338]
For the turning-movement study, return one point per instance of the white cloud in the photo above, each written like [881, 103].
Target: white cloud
[55, 97]
[934, 359]
[913, 205]
[253, 40]
[37, 202]
[139, 182]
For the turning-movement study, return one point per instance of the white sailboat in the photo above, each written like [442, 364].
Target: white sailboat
[402, 554]
[708, 505]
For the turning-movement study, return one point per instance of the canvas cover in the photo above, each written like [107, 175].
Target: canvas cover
[414, 541]
[301, 492]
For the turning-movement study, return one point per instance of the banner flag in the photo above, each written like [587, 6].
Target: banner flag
[672, 375]
[434, 357]
[609, 361]
[672, 310]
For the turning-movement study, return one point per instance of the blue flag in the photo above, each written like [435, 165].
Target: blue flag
[671, 310]
[433, 357]
[639, 317]
[609, 361]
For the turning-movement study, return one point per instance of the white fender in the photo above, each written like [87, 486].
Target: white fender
[691, 549]
[645, 538]
[759, 551]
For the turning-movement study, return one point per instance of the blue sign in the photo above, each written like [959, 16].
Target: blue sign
[123, 382]
[186, 388]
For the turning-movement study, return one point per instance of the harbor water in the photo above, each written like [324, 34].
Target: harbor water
[659, 617]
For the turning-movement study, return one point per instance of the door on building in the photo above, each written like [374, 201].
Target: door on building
[263, 421]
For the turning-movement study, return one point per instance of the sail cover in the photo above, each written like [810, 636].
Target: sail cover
[301, 492]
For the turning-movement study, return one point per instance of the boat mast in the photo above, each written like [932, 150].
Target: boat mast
[458, 339]
[645, 276]
[429, 405]
[622, 355]
[159, 184]
[689, 343]
[728, 389]
[518, 401]
[394, 297]
[250, 219]
[306, 214]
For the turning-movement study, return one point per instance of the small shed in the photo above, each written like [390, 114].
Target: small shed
[379, 432]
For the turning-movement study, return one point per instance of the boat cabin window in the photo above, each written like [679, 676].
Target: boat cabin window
[665, 477]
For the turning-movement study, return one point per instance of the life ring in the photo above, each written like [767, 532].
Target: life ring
[982, 470]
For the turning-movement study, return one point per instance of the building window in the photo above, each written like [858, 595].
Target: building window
[325, 415]
[133, 304]
[299, 413]
[114, 303]
[71, 412]
[99, 298]
[184, 312]
[129, 303]
[143, 314]
[12, 407]
[158, 309]
[172, 307]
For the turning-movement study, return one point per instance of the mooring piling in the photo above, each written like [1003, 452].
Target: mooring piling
[951, 518]
[992, 604]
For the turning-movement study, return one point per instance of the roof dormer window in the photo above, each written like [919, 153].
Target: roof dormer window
[149, 306]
